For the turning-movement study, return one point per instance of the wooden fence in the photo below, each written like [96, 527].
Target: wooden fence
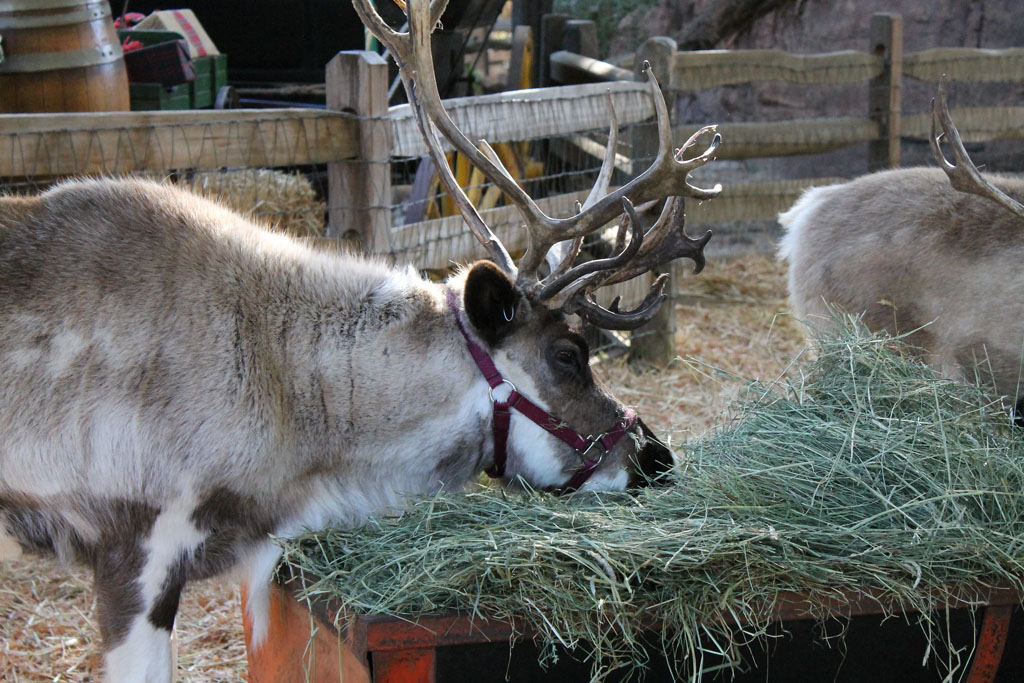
[357, 138]
[360, 138]
[363, 143]
[881, 124]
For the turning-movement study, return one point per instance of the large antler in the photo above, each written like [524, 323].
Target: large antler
[568, 286]
[963, 175]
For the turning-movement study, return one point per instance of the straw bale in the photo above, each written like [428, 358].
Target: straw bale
[283, 201]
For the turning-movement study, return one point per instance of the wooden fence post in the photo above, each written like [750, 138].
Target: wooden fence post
[359, 190]
[580, 36]
[655, 342]
[885, 100]
[522, 62]
[529, 13]
[551, 26]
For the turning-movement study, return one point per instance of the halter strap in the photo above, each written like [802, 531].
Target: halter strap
[584, 445]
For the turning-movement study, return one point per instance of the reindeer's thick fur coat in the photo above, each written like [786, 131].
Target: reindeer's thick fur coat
[179, 384]
[916, 256]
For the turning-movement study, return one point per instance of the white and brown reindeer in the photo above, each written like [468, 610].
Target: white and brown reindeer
[180, 384]
[915, 256]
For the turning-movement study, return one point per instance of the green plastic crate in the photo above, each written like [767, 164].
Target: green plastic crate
[220, 72]
[211, 76]
[150, 96]
[201, 89]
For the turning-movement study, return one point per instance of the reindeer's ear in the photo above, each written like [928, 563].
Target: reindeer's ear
[490, 298]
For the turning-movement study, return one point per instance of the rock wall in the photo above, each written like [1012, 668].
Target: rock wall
[808, 26]
[828, 25]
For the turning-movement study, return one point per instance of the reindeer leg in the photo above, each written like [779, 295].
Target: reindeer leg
[135, 649]
[138, 586]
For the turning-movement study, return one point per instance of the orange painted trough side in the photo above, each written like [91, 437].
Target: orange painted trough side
[393, 650]
[289, 655]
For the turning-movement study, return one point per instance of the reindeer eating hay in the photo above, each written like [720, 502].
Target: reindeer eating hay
[918, 257]
[181, 384]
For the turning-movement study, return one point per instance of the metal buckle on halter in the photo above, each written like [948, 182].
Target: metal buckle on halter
[490, 391]
[595, 441]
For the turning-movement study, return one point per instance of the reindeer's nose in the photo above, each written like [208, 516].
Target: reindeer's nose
[653, 460]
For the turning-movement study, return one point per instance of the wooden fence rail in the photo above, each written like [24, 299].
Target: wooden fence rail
[711, 68]
[785, 138]
[530, 114]
[965, 64]
[33, 145]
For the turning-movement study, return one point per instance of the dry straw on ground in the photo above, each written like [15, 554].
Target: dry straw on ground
[734, 318]
[48, 632]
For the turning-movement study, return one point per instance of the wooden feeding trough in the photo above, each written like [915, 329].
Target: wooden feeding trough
[387, 649]
[767, 555]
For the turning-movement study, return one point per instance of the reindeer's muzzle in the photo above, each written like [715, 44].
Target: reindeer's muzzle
[591, 449]
[653, 460]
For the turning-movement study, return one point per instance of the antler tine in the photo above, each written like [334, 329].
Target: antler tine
[963, 175]
[608, 264]
[577, 296]
[412, 52]
[667, 176]
[604, 176]
[614, 319]
[665, 241]
[665, 246]
[562, 254]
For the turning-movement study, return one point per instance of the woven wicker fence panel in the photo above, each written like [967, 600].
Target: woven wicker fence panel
[530, 114]
[976, 124]
[965, 64]
[711, 68]
[782, 138]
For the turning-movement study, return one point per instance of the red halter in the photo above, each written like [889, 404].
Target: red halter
[591, 449]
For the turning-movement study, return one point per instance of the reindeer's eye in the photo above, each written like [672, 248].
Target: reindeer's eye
[568, 357]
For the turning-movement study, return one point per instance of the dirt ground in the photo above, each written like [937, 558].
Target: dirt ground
[732, 324]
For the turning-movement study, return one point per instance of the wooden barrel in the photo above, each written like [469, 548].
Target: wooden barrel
[60, 55]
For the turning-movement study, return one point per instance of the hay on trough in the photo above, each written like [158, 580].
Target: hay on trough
[861, 470]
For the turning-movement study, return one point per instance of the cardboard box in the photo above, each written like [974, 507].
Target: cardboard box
[164, 63]
[182, 21]
[211, 74]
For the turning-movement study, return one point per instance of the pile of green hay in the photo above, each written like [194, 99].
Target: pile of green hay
[862, 470]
